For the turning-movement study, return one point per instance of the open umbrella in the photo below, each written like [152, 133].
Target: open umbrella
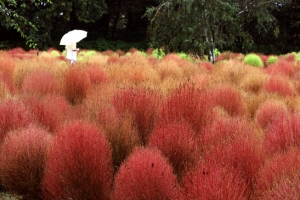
[73, 37]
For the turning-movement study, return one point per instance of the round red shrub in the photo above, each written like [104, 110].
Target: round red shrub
[40, 82]
[50, 111]
[282, 67]
[97, 75]
[279, 172]
[143, 104]
[232, 143]
[79, 165]
[279, 135]
[228, 99]
[187, 104]
[269, 111]
[76, 84]
[177, 142]
[13, 115]
[22, 161]
[279, 85]
[145, 174]
[210, 182]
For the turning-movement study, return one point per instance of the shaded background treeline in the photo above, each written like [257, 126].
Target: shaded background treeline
[120, 24]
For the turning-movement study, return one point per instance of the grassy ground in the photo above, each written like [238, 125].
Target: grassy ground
[7, 196]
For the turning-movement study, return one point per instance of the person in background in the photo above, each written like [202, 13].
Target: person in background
[71, 52]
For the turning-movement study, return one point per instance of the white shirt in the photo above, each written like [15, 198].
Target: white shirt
[71, 52]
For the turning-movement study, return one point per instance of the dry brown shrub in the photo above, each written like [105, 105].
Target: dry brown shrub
[229, 71]
[169, 69]
[120, 132]
[4, 91]
[253, 81]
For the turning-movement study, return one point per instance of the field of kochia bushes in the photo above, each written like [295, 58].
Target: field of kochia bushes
[131, 126]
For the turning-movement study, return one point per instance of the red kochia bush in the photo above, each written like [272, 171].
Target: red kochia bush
[97, 74]
[187, 104]
[211, 182]
[143, 104]
[40, 82]
[281, 67]
[49, 111]
[13, 115]
[282, 133]
[177, 143]
[229, 99]
[145, 174]
[231, 142]
[269, 111]
[76, 84]
[279, 85]
[79, 164]
[280, 172]
[22, 161]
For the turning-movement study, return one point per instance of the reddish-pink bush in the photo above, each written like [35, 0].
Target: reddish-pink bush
[269, 111]
[285, 188]
[50, 111]
[177, 143]
[145, 174]
[13, 115]
[143, 104]
[22, 161]
[232, 143]
[76, 84]
[279, 135]
[97, 74]
[211, 182]
[187, 104]
[228, 99]
[281, 67]
[279, 85]
[279, 172]
[79, 165]
[40, 82]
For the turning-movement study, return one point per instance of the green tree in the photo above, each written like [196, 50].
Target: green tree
[198, 26]
[40, 21]
[13, 19]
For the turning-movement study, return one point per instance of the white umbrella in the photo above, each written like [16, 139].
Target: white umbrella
[73, 37]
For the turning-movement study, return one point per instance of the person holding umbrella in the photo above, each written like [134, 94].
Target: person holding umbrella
[69, 40]
[71, 52]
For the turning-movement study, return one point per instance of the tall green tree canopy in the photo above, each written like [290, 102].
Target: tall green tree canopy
[201, 25]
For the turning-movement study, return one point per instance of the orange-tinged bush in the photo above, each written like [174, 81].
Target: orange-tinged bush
[13, 115]
[76, 84]
[279, 85]
[177, 142]
[211, 182]
[79, 164]
[228, 98]
[120, 132]
[144, 106]
[22, 161]
[145, 174]
[7, 64]
[40, 82]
